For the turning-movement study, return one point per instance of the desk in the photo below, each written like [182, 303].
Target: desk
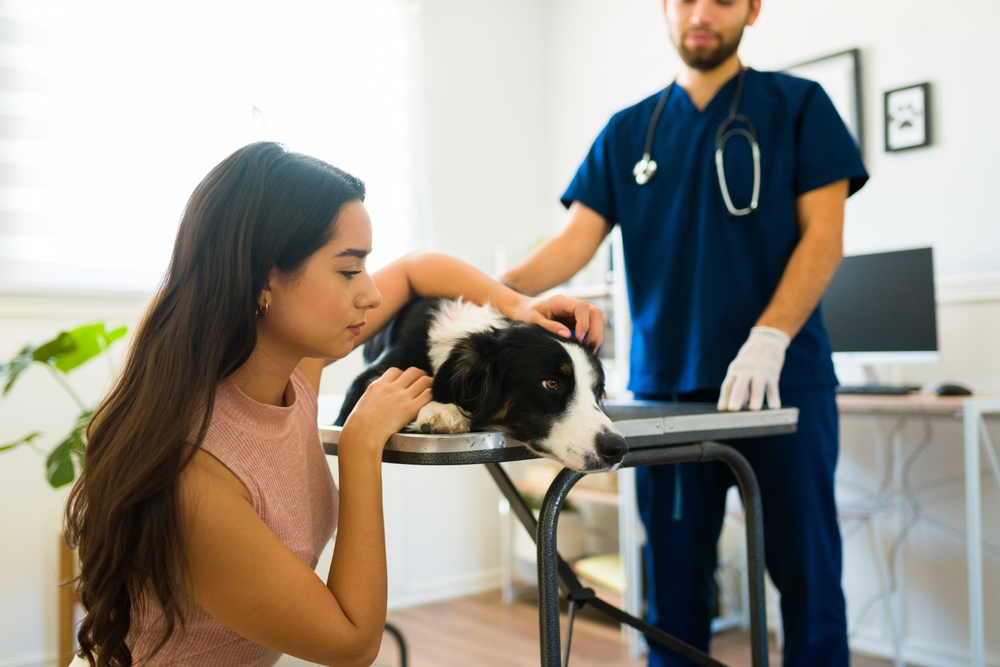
[971, 410]
[657, 433]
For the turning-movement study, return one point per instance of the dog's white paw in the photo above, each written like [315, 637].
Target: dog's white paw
[440, 418]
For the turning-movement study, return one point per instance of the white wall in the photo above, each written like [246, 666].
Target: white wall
[485, 109]
[607, 54]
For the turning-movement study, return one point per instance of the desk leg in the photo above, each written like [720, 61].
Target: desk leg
[630, 551]
[974, 533]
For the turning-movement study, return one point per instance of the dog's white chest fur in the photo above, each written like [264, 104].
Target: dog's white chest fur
[456, 320]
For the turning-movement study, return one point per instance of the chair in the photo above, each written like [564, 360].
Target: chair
[400, 641]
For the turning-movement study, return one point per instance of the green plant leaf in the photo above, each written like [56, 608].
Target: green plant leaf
[26, 439]
[50, 351]
[59, 467]
[16, 366]
[115, 334]
[74, 348]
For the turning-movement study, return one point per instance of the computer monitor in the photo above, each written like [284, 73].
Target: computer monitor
[879, 308]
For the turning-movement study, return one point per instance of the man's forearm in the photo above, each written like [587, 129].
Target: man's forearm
[806, 277]
[814, 260]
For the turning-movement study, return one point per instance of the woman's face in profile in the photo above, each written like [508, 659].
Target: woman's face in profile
[319, 311]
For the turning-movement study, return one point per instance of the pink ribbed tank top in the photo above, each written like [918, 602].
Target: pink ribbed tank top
[276, 453]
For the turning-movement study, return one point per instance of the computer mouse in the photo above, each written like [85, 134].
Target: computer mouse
[952, 390]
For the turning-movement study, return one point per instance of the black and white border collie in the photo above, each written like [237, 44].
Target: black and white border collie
[492, 373]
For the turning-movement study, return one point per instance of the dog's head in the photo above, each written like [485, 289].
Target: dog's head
[537, 388]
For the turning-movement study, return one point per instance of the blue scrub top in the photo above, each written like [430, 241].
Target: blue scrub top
[699, 279]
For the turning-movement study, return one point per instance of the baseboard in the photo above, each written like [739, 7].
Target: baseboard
[445, 588]
[37, 660]
[61, 307]
[916, 652]
[968, 288]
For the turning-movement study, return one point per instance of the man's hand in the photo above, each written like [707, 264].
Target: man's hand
[558, 313]
[755, 369]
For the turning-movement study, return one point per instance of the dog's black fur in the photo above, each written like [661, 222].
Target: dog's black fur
[502, 378]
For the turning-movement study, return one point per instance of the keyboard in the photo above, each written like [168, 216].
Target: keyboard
[879, 389]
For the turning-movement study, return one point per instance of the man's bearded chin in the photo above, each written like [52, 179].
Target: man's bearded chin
[705, 60]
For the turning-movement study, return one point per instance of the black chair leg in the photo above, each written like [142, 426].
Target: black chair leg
[398, 636]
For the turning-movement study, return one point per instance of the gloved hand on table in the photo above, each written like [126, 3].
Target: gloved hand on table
[755, 369]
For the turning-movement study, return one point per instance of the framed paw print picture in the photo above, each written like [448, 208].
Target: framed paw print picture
[907, 117]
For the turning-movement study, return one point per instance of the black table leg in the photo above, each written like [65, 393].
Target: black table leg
[754, 521]
[567, 579]
[550, 565]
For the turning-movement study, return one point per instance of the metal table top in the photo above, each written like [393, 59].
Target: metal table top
[643, 423]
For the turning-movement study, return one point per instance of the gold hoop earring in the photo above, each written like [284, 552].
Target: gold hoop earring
[261, 310]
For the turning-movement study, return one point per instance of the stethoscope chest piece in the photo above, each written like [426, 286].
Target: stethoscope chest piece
[644, 170]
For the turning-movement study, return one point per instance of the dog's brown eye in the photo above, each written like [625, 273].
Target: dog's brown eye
[550, 384]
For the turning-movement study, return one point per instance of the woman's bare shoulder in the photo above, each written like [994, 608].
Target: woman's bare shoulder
[207, 478]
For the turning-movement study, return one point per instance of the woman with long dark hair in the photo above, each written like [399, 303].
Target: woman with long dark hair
[205, 499]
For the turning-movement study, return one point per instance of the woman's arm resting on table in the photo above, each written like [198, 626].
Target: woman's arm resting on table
[432, 274]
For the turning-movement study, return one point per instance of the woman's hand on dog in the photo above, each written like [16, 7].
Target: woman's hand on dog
[390, 403]
[566, 317]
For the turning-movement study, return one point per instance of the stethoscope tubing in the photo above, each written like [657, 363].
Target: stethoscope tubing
[646, 168]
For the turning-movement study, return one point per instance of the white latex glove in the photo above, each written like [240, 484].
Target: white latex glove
[756, 368]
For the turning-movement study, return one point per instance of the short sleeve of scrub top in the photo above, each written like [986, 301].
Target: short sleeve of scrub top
[698, 279]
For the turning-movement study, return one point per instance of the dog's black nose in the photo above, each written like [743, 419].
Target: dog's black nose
[611, 446]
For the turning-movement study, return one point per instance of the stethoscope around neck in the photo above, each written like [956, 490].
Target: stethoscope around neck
[645, 168]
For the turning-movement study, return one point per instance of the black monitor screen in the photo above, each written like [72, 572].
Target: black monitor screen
[883, 303]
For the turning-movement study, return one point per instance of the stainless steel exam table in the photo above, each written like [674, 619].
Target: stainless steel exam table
[657, 433]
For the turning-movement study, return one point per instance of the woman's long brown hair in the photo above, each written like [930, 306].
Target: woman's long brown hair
[262, 207]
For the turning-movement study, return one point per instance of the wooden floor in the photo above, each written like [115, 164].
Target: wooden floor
[482, 630]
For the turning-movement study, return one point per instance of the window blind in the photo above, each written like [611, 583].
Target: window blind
[111, 111]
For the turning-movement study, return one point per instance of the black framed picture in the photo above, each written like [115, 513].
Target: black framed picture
[840, 76]
[907, 117]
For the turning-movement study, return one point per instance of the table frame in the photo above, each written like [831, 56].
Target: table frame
[682, 436]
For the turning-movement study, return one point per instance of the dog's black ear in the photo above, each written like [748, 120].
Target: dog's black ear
[469, 378]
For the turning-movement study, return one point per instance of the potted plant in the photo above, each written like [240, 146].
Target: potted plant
[61, 355]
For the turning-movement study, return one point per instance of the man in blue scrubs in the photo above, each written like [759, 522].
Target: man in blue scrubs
[725, 309]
